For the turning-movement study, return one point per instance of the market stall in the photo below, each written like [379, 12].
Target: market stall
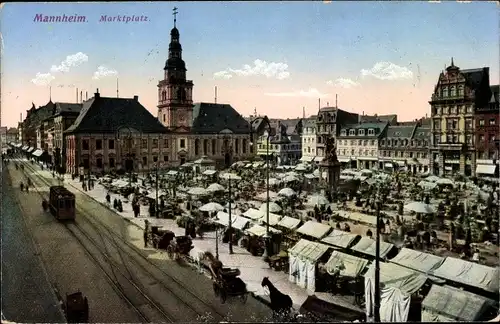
[303, 259]
[341, 239]
[450, 304]
[367, 246]
[416, 260]
[314, 229]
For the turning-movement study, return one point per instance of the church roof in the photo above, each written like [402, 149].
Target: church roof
[107, 115]
[211, 118]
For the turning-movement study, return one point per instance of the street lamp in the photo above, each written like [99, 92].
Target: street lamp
[128, 131]
[229, 177]
[266, 238]
[157, 212]
[377, 263]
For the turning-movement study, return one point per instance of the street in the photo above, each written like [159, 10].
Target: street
[27, 295]
[153, 286]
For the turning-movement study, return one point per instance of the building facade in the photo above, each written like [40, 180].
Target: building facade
[405, 147]
[357, 144]
[285, 146]
[3, 137]
[214, 130]
[456, 96]
[487, 124]
[328, 123]
[12, 135]
[309, 140]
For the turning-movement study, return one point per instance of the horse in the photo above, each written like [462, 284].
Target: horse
[281, 304]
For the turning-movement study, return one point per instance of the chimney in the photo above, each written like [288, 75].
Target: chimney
[86, 95]
[81, 96]
[97, 95]
[76, 95]
[136, 98]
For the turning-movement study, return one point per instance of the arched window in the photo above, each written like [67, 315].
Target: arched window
[445, 92]
[196, 146]
[452, 91]
[460, 90]
[236, 146]
[205, 147]
[164, 95]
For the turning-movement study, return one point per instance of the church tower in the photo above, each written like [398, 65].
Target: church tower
[175, 93]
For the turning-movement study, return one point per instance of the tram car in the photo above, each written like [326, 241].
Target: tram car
[62, 203]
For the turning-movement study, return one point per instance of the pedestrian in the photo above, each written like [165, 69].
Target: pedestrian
[108, 199]
[146, 231]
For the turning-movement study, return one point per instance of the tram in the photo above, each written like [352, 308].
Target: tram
[62, 203]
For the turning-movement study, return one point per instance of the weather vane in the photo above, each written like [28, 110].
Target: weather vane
[175, 12]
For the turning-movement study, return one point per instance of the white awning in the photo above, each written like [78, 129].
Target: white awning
[30, 149]
[318, 158]
[344, 160]
[400, 163]
[388, 165]
[25, 147]
[486, 169]
[209, 172]
[448, 168]
[305, 158]
[416, 260]
[368, 246]
[260, 231]
[273, 218]
[223, 218]
[309, 250]
[314, 229]
[253, 213]
[289, 222]
[340, 238]
[38, 152]
[240, 222]
[172, 172]
[349, 265]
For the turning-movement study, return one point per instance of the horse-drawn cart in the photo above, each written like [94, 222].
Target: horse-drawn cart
[227, 283]
[179, 245]
[76, 308]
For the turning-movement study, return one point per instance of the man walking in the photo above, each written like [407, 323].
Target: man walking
[146, 231]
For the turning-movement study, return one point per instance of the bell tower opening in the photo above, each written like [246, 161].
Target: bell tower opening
[175, 92]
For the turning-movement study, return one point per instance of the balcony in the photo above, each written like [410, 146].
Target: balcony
[438, 98]
[451, 146]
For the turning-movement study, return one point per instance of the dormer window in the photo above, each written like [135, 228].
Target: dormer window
[406, 142]
[343, 132]
[382, 142]
[371, 132]
[362, 132]
[352, 132]
[445, 92]
[452, 91]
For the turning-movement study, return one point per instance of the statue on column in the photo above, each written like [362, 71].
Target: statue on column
[331, 151]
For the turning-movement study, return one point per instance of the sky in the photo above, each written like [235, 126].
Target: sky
[272, 57]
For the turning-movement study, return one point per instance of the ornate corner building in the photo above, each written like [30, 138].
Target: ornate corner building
[457, 96]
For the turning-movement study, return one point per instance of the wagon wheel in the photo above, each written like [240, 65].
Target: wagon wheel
[170, 252]
[223, 295]
[216, 289]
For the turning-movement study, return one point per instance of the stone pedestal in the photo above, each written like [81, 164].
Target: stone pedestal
[332, 169]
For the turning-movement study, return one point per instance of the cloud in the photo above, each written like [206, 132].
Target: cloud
[65, 85]
[70, 61]
[310, 93]
[343, 83]
[1, 44]
[42, 79]
[102, 72]
[275, 70]
[223, 75]
[388, 71]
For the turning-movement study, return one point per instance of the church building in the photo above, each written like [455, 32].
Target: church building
[214, 130]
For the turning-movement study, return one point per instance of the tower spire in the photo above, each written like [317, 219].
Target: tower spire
[452, 64]
[175, 12]
[117, 95]
[50, 94]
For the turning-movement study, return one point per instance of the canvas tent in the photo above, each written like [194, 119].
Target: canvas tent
[397, 285]
[367, 246]
[303, 257]
[350, 265]
[450, 304]
[314, 229]
[416, 260]
[340, 239]
[469, 273]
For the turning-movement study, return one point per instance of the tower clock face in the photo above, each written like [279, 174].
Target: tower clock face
[182, 118]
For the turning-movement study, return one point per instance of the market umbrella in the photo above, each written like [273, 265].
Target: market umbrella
[420, 207]
[215, 187]
[230, 176]
[432, 178]
[444, 182]
[292, 173]
[317, 200]
[273, 207]
[290, 178]
[197, 191]
[274, 182]
[212, 207]
[426, 185]
[287, 192]
[263, 195]
[301, 167]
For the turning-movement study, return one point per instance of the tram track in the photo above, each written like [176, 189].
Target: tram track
[206, 312]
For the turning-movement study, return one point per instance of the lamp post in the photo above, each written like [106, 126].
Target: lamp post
[128, 137]
[229, 177]
[157, 212]
[266, 253]
[377, 264]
